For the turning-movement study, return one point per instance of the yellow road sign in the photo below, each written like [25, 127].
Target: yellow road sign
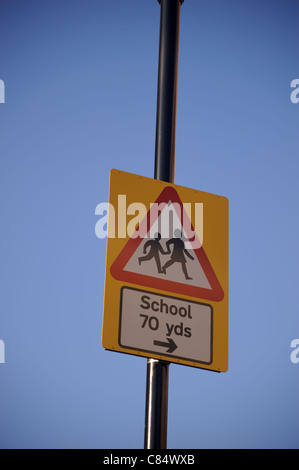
[166, 285]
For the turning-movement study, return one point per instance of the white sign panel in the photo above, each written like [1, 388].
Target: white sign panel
[165, 325]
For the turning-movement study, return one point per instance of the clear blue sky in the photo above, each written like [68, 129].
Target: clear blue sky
[80, 89]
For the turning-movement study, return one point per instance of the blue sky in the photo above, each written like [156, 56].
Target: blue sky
[80, 98]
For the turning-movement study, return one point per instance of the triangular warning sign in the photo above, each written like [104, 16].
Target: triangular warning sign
[165, 253]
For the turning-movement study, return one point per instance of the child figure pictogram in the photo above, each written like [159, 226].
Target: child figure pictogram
[178, 253]
[155, 248]
[177, 256]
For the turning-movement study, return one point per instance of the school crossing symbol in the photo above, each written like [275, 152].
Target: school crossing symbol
[166, 258]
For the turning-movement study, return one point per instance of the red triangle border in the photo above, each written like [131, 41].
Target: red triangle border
[117, 268]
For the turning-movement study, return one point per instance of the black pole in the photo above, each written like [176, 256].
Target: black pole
[167, 90]
[156, 411]
[155, 436]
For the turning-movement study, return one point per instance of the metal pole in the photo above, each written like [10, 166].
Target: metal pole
[167, 90]
[155, 436]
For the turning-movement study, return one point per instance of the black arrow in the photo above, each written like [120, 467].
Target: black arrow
[170, 345]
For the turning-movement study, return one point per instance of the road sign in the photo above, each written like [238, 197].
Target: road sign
[166, 286]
